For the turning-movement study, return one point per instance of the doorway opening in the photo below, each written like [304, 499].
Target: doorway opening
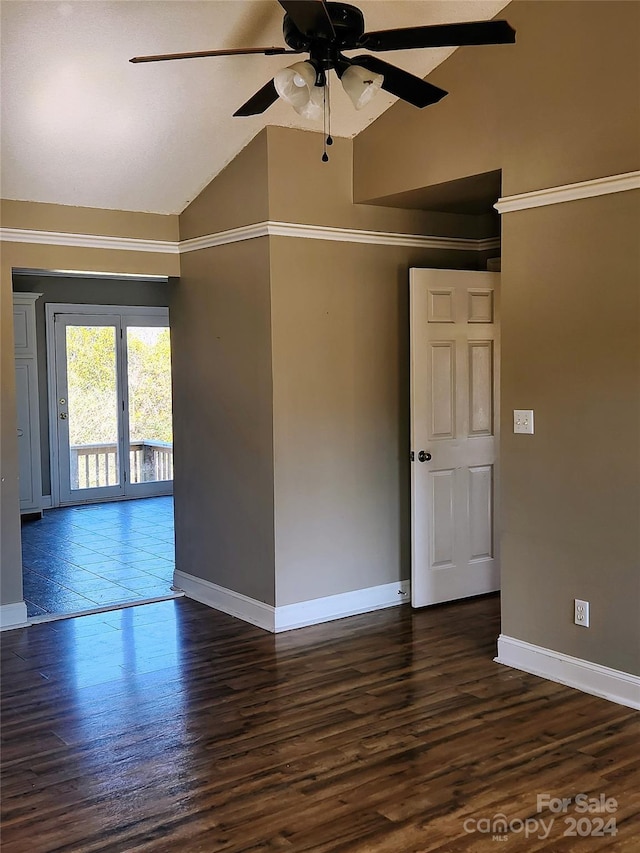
[101, 434]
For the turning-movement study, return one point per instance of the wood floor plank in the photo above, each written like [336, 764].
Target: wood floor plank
[173, 728]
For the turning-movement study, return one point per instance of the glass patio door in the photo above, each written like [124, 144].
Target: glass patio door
[148, 411]
[112, 405]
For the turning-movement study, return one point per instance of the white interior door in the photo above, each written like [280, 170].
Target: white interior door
[111, 403]
[454, 414]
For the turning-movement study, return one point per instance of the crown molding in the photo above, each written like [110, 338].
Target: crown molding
[87, 241]
[268, 228]
[569, 192]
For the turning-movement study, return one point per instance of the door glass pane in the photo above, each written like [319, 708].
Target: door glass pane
[92, 406]
[150, 425]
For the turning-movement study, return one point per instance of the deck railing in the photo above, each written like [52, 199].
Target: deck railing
[96, 465]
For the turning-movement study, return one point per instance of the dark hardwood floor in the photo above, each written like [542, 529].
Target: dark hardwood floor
[171, 727]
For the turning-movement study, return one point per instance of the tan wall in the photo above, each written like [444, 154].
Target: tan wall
[340, 317]
[238, 195]
[23, 255]
[559, 107]
[327, 321]
[305, 190]
[571, 492]
[37, 216]
[221, 343]
[340, 374]
[223, 443]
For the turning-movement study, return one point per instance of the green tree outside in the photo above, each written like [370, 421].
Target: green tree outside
[91, 375]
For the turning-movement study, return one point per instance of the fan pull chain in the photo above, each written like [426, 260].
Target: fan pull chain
[326, 129]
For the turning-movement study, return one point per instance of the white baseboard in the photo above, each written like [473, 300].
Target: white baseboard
[234, 603]
[611, 684]
[290, 616]
[13, 615]
[331, 607]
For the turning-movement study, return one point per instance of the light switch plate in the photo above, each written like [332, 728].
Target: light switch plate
[523, 421]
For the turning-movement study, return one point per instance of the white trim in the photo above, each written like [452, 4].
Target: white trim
[249, 232]
[106, 608]
[227, 600]
[222, 238]
[332, 607]
[272, 228]
[87, 241]
[569, 192]
[611, 684]
[92, 274]
[13, 616]
[290, 616]
[46, 502]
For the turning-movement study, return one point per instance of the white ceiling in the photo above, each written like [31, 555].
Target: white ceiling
[83, 126]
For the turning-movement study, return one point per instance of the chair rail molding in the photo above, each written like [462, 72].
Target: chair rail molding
[569, 192]
[87, 241]
[268, 228]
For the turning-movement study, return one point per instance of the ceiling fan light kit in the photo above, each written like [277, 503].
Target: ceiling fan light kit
[361, 85]
[297, 85]
[324, 30]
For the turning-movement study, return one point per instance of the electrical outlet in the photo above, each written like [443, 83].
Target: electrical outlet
[581, 612]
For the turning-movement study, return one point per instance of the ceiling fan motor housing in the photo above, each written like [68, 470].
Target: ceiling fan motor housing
[348, 23]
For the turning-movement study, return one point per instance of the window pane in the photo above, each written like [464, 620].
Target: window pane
[92, 406]
[150, 423]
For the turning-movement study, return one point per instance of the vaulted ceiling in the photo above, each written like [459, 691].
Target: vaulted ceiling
[83, 126]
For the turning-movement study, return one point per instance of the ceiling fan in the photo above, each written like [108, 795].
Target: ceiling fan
[324, 30]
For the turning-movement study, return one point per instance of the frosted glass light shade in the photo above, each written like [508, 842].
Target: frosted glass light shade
[297, 86]
[361, 85]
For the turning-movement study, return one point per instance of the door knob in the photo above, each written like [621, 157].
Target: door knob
[424, 456]
[63, 416]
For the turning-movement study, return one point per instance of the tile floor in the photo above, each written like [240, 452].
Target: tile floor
[82, 557]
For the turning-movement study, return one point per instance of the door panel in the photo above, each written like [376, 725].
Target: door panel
[454, 375]
[88, 407]
[149, 404]
[442, 389]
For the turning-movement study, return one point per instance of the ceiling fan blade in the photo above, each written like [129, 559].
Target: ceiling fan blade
[311, 17]
[240, 51]
[259, 102]
[440, 35]
[400, 83]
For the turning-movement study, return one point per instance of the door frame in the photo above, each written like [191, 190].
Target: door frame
[51, 309]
